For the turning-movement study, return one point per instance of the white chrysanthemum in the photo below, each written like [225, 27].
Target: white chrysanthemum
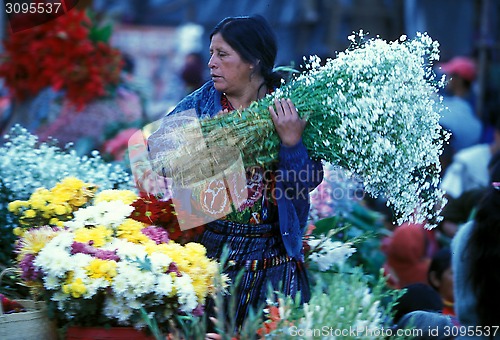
[51, 282]
[125, 249]
[80, 261]
[160, 262]
[110, 214]
[59, 297]
[118, 309]
[131, 282]
[63, 240]
[94, 286]
[165, 285]
[54, 261]
[186, 294]
[134, 304]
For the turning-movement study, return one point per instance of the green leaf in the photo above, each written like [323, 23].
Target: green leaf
[325, 225]
[102, 34]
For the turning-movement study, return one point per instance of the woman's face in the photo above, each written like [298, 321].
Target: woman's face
[230, 73]
[446, 286]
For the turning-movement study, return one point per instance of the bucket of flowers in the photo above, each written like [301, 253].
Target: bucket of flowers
[99, 264]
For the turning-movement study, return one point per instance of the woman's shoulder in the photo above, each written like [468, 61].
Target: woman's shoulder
[202, 100]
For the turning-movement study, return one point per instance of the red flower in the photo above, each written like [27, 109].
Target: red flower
[273, 317]
[60, 54]
[150, 210]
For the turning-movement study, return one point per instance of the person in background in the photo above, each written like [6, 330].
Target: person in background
[264, 237]
[193, 71]
[440, 277]
[458, 115]
[408, 255]
[430, 325]
[475, 259]
[417, 297]
[469, 168]
[462, 209]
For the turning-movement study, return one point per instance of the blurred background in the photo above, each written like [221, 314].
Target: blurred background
[164, 47]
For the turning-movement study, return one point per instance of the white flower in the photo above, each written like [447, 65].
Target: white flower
[54, 261]
[159, 262]
[185, 292]
[26, 165]
[326, 253]
[164, 285]
[110, 214]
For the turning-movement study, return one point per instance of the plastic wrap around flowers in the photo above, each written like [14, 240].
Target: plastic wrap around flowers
[104, 267]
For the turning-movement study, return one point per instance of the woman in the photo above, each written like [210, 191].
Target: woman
[475, 257]
[264, 235]
[440, 277]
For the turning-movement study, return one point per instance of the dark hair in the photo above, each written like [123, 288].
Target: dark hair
[483, 252]
[441, 261]
[254, 40]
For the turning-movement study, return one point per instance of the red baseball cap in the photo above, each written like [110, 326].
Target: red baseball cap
[461, 66]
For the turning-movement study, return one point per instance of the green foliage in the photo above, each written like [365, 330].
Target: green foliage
[364, 228]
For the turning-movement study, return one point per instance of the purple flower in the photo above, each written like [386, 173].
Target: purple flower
[198, 311]
[159, 235]
[172, 268]
[78, 247]
[29, 271]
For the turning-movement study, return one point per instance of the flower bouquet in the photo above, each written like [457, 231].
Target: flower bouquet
[372, 110]
[27, 164]
[102, 267]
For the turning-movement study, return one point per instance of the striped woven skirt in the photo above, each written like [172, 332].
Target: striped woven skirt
[260, 251]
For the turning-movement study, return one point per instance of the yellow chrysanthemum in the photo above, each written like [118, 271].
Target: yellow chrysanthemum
[101, 269]
[53, 221]
[178, 254]
[76, 288]
[34, 240]
[151, 247]
[30, 213]
[99, 235]
[72, 191]
[39, 199]
[126, 196]
[200, 287]
[62, 209]
[195, 249]
[15, 206]
[131, 231]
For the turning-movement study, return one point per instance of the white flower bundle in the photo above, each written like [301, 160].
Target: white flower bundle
[27, 164]
[373, 110]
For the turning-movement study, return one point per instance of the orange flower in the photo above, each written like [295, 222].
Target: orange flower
[273, 317]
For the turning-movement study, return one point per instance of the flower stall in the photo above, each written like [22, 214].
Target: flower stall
[96, 264]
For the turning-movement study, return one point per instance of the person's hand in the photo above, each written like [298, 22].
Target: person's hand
[287, 122]
[222, 112]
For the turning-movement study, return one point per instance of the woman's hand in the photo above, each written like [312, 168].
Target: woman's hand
[287, 122]
[222, 112]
